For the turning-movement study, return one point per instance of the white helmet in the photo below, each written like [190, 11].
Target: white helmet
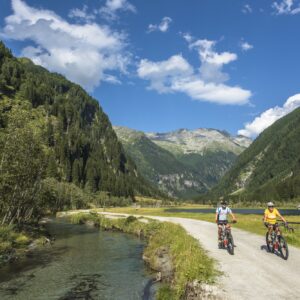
[270, 204]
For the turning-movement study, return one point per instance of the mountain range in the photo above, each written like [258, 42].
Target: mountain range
[182, 163]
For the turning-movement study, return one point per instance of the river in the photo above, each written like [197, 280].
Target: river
[83, 263]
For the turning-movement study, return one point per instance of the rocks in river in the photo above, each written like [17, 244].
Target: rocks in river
[90, 223]
[8, 257]
[162, 263]
[85, 287]
[197, 290]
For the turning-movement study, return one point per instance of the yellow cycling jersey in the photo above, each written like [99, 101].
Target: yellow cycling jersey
[271, 216]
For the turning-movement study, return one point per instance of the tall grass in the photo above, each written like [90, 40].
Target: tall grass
[9, 239]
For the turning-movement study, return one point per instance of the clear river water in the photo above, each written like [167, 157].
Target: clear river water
[82, 263]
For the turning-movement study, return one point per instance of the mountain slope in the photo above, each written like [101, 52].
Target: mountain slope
[269, 168]
[159, 165]
[183, 163]
[76, 140]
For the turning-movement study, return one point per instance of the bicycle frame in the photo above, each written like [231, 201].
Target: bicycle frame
[277, 243]
[227, 239]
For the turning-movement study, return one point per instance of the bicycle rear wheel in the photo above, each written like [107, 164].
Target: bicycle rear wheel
[283, 248]
[269, 242]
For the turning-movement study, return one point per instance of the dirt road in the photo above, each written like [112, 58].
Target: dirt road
[252, 273]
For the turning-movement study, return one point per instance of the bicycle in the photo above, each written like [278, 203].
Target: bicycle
[276, 242]
[227, 239]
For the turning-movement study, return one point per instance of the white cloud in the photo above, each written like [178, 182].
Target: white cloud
[247, 9]
[163, 26]
[212, 92]
[246, 46]
[81, 14]
[109, 11]
[286, 7]
[187, 36]
[268, 117]
[84, 53]
[212, 62]
[111, 79]
[163, 74]
[206, 84]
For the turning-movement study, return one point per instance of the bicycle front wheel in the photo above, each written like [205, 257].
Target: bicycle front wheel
[283, 248]
[230, 246]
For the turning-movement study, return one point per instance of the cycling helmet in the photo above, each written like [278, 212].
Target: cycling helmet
[223, 202]
[270, 204]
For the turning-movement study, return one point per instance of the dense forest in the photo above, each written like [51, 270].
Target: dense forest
[58, 149]
[269, 169]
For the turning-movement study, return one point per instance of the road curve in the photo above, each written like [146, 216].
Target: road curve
[252, 272]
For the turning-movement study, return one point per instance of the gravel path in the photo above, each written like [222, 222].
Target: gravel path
[252, 273]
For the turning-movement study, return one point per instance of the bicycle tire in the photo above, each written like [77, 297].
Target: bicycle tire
[269, 245]
[230, 246]
[283, 248]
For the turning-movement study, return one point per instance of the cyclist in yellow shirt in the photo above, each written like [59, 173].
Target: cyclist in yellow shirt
[270, 218]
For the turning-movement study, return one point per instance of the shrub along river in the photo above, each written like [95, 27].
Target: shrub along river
[83, 263]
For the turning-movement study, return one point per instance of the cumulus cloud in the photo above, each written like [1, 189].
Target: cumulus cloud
[247, 9]
[81, 14]
[212, 62]
[163, 26]
[206, 84]
[109, 11]
[268, 117]
[163, 74]
[84, 53]
[286, 7]
[246, 46]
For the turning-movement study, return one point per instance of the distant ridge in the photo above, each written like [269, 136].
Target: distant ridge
[183, 163]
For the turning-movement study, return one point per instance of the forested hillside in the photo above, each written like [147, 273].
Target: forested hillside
[57, 147]
[269, 169]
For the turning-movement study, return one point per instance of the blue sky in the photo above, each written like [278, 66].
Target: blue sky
[161, 65]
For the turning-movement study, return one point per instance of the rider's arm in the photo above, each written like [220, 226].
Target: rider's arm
[265, 218]
[216, 217]
[233, 217]
[281, 217]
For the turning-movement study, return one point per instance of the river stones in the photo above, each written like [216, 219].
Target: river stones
[162, 263]
[196, 290]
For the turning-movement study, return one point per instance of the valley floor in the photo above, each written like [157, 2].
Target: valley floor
[251, 223]
[252, 273]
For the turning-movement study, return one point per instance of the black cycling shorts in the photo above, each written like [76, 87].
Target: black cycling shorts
[222, 222]
[274, 225]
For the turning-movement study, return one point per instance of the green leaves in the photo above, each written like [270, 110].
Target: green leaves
[56, 145]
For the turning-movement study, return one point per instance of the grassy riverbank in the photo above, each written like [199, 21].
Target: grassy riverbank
[251, 223]
[163, 237]
[14, 242]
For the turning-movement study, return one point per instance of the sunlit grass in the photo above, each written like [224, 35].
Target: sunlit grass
[9, 239]
[252, 223]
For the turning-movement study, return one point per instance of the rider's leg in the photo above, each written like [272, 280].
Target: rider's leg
[276, 229]
[270, 228]
[219, 232]
[228, 226]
